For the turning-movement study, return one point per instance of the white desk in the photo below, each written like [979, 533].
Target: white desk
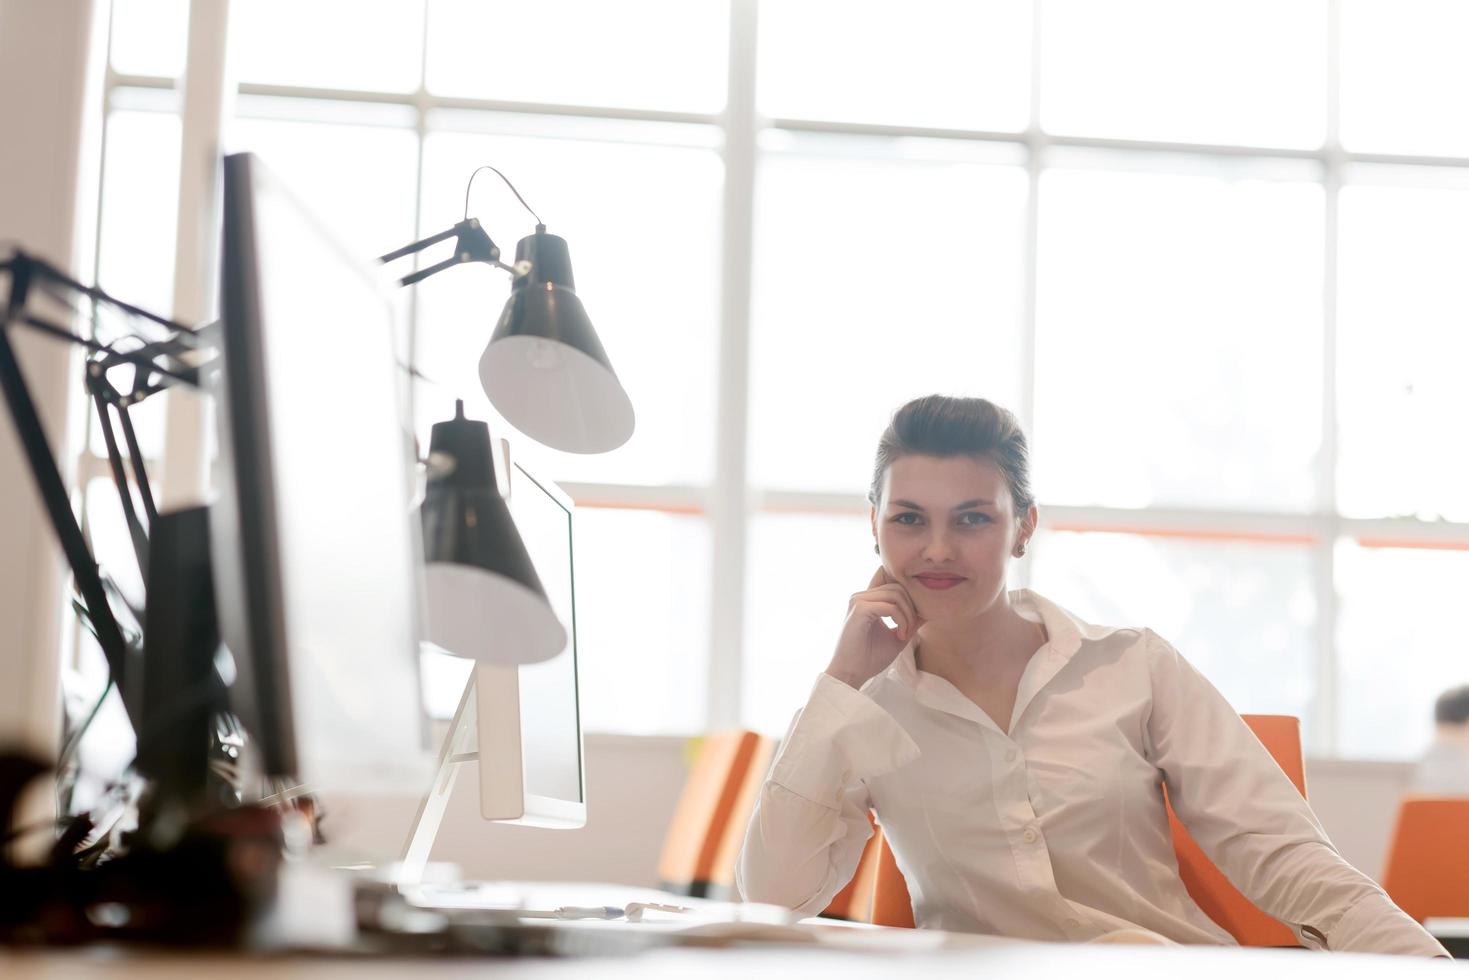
[989, 961]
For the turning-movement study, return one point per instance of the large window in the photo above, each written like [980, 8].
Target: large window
[1210, 253]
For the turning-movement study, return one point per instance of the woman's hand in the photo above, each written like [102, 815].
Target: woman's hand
[867, 645]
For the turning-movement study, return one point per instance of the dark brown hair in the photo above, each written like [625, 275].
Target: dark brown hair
[1452, 707]
[943, 425]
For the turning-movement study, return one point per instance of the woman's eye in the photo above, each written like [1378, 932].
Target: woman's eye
[901, 518]
[978, 518]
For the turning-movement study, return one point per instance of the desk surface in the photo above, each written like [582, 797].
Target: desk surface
[989, 961]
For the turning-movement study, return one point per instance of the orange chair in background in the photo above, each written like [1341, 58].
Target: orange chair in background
[1221, 901]
[877, 892]
[1427, 870]
[708, 826]
[854, 902]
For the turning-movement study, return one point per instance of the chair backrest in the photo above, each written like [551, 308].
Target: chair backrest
[708, 826]
[1220, 900]
[889, 902]
[877, 892]
[854, 902]
[1427, 870]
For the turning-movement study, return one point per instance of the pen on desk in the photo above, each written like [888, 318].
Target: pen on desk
[573, 912]
[633, 912]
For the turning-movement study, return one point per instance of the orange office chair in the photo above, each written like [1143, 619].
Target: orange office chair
[708, 826]
[854, 902]
[1220, 900]
[1427, 870]
[877, 892]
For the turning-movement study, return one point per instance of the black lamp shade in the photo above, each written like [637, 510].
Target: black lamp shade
[485, 600]
[544, 369]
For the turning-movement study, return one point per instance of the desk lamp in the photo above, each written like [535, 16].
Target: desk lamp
[482, 588]
[545, 370]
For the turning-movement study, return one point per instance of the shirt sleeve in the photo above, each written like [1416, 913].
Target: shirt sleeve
[1250, 820]
[810, 824]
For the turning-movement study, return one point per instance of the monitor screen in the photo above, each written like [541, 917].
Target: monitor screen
[549, 720]
[315, 544]
[527, 719]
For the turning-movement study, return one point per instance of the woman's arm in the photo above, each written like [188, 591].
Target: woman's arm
[1249, 819]
[810, 825]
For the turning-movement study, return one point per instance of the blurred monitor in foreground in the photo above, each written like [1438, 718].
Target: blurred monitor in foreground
[315, 548]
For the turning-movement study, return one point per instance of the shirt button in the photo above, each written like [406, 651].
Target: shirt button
[1010, 755]
[1029, 836]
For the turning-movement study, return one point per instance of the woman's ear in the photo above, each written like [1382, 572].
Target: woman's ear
[872, 518]
[1027, 527]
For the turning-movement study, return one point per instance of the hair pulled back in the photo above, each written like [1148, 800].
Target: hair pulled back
[945, 425]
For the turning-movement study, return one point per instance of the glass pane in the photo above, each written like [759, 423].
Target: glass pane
[1178, 340]
[150, 37]
[873, 62]
[112, 546]
[1400, 320]
[878, 277]
[359, 179]
[1400, 643]
[1251, 72]
[371, 45]
[642, 222]
[1243, 613]
[148, 422]
[802, 570]
[1404, 79]
[107, 751]
[139, 209]
[642, 620]
[644, 54]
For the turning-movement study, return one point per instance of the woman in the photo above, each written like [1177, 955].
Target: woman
[1015, 755]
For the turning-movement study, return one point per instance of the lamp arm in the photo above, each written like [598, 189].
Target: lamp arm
[140, 470]
[472, 244]
[136, 531]
[39, 270]
[52, 488]
[419, 245]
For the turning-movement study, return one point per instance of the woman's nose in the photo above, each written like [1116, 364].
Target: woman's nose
[936, 548]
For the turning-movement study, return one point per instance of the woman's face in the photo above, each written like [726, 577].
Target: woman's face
[945, 528]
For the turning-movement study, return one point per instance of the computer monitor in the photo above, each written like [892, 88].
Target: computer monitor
[521, 725]
[528, 718]
[315, 546]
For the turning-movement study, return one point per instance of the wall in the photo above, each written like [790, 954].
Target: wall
[46, 100]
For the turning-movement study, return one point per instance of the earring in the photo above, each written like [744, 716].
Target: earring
[1020, 550]
[875, 549]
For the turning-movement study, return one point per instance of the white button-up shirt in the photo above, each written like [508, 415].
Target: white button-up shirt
[1056, 831]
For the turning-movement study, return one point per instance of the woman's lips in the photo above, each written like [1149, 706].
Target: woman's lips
[938, 581]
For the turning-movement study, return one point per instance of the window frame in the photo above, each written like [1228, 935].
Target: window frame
[729, 502]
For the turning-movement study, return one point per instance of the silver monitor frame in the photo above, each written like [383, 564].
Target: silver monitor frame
[486, 730]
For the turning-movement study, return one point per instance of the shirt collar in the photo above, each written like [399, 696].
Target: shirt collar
[1065, 631]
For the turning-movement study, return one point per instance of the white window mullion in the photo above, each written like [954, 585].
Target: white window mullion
[729, 500]
[1034, 164]
[205, 86]
[1324, 734]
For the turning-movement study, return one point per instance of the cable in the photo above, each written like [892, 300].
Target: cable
[541, 224]
[75, 738]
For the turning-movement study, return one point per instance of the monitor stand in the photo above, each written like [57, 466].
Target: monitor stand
[490, 692]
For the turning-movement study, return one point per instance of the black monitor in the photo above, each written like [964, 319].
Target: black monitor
[315, 545]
